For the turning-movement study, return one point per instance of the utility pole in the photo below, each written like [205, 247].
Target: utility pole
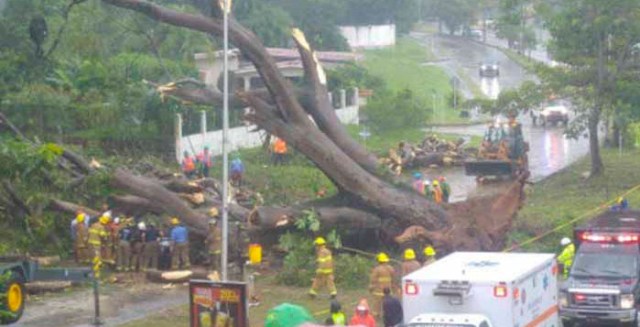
[226, 4]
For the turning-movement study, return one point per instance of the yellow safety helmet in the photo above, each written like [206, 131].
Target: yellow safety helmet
[175, 221]
[620, 200]
[429, 251]
[436, 183]
[320, 241]
[213, 212]
[104, 220]
[80, 217]
[409, 254]
[383, 257]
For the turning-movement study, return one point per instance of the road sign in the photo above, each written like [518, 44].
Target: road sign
[218, 304]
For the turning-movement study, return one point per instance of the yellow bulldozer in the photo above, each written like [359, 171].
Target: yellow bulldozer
[503, 152]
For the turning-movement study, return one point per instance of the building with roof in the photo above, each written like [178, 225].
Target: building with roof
[244, 75]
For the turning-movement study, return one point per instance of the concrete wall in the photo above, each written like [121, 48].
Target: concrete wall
[372, 36]
[242, 137]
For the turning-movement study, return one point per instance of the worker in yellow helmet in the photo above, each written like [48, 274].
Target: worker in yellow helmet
[410, 264]
[382, 276]
[430, 255]
[97, 236]
[436, 192]
[565, 258]
[324, 269]
[80, 243]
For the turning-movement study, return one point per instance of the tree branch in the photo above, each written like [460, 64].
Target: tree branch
[65, 16]
[320, 108]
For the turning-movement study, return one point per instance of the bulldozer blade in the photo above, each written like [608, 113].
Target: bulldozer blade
[488, 168]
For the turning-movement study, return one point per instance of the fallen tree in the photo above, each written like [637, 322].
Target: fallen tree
[322, 139]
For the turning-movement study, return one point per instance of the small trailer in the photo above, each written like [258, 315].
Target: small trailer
[15, 271]
[483, 289]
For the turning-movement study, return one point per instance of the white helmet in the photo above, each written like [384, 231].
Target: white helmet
[142, 226]
[565, 241]
[117, 220]
[107, 214]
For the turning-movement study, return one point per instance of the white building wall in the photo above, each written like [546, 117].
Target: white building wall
[372, 36]
[242, 137]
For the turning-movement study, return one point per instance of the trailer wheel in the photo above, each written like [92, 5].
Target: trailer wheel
[12, 300]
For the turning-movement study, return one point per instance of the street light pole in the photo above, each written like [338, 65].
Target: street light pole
[225, 141]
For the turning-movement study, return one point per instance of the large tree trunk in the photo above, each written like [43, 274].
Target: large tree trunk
[158, 196]
[289, 120]
[597, 167]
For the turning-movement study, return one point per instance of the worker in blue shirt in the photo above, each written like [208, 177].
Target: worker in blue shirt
[180, 242]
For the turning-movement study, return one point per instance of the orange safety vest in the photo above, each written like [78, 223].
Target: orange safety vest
[188, 164]
[280, 146]
[437, 195]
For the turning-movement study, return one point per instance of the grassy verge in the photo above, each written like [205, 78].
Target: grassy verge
[270, 295]
[381, 143]
[527, 63]
[299, 180]
[402, 67]
[568, 195]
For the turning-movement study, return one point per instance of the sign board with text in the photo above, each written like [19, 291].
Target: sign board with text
[217, 304]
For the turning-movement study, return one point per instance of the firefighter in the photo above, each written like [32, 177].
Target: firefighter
[566, 256]
[324, 269]
[446, 189]
[437, 192]
[410, 263]
[106, 252]
[430, 255]
[151, 249]
[81, 244]
[214, 241]
[97, 234]
[124, 247]
[382, 276]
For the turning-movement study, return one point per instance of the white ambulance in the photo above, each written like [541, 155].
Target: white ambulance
[483, 289]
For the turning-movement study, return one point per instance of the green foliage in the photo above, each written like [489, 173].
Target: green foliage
[404, 13]
[568, 195]
[454, 13]
[402, 110]
[405, 67]
[349, 76]
[309, 221]
[299, 263]
[270, 23]
[352, 271]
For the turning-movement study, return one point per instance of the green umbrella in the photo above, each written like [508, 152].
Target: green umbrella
[287, 315]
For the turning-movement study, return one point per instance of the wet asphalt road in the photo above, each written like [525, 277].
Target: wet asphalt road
[550, 150]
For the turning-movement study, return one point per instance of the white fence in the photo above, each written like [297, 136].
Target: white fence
[372, 36]
[243, 137]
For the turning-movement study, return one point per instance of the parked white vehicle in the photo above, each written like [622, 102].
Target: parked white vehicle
[483, 289]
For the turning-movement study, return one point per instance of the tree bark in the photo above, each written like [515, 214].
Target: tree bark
[158, 195]
[597, 167]
[71, 208]
[323, 113]
[330, 217]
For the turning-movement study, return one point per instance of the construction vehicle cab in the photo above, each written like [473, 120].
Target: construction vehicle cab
[602, 286]
[15, 271]
[503, 151]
